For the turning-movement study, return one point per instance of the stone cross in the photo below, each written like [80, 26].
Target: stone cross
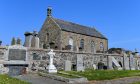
[51, 67]
[51, 54]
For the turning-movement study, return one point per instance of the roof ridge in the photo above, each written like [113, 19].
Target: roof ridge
[78, 28]
[75, 23]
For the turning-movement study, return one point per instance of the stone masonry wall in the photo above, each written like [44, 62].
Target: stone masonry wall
[87, 41]
[88, 58]
[50, 33]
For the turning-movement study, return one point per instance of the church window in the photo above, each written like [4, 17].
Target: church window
[92, 46]
[82, 44]
[101, 46]
[71, 43]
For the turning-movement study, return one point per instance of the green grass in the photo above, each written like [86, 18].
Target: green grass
[67, 75]
[136, 83]
[5, 79]
[105, 74]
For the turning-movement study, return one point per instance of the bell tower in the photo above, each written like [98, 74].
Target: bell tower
[49, 11]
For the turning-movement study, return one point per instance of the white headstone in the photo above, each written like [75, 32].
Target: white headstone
[51, 67]
[67, 66]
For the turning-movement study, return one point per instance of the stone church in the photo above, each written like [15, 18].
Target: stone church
[76, 47]
[63, 35]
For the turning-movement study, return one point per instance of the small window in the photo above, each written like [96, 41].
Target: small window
[82, 44]
[36, 56]
[71, 43]
[101, 46]
[92, 46]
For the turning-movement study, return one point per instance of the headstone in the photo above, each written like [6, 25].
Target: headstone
[126, 62]
[3, 70]
[110, 62]
[132, 65]
[79, 63]
[94, 66]
[51, 67]
[67, 66]
[17, 52]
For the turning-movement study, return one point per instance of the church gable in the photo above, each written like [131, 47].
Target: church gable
[50, 33]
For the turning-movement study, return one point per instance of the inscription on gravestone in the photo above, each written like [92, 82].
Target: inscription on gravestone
[17, 54]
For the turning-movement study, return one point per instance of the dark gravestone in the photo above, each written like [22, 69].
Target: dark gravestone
[17, 54]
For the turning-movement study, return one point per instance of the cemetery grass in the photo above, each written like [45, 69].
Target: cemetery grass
[5, 79]
[91, 74]
[136, 83]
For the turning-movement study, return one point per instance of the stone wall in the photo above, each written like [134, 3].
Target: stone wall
[87, 41]
[88, 58]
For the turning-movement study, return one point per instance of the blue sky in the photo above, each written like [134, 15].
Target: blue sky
[118, 20]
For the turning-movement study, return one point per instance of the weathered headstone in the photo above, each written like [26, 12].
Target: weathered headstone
[126, 62]
[79, 63]
[110, 62]
[17, 52]
[67, 66]
[3, 70]
[132, 65]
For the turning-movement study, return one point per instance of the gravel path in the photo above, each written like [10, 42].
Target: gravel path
[35, 79]
[126, 80]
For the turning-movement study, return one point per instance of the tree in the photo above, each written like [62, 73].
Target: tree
[13, 42]
[19, 41]
[0, 43]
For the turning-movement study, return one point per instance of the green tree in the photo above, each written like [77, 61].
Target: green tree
[13, 42]
[19, 41]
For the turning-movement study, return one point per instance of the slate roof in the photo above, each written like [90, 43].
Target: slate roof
[80, 29]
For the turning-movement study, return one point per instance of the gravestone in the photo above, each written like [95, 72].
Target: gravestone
[132, 65]
[51, 67]
[17, 52]
[67, 66]
[126, 62]
[110, 62]
[79, 63]
[3, 70]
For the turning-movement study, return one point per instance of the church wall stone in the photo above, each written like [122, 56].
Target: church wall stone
[87, 41]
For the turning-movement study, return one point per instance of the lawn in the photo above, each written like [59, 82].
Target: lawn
[105, 74]
[5, 79]
[136, 83]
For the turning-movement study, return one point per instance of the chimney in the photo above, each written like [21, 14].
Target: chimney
[35, 40]
[28, 38]
[49, 11]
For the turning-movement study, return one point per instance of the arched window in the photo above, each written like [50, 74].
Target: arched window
[92, 46]
[82, 44]
[71, 43]
[101, 46]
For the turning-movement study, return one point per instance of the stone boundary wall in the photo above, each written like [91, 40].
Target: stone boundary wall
[61, 55]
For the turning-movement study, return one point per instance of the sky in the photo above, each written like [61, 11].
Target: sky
[118, 20]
